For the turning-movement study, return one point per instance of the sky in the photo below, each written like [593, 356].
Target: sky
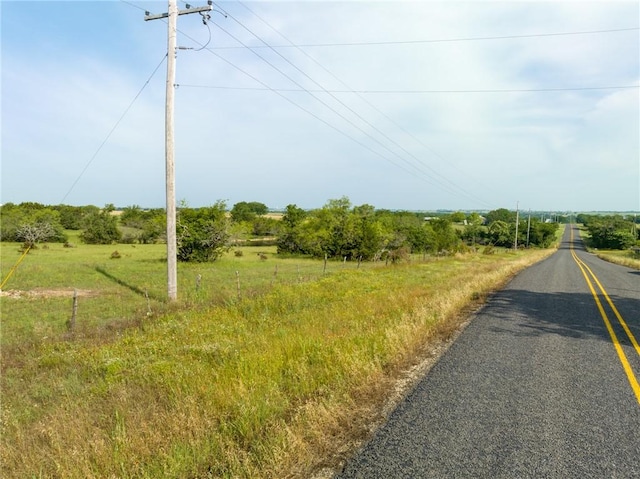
[424, 105]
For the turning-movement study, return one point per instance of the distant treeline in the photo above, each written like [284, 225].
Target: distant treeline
[337, 230]
[611, 231]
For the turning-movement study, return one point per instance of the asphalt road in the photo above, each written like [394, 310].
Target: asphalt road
[533, 388]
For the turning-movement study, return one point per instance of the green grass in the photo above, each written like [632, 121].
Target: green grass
[113, 293]
[273, 382]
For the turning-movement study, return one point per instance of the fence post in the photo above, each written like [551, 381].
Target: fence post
[146, 295]
[324, 268]
[238, 282]
[74, 311]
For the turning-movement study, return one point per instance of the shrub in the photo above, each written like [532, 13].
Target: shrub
[203, 233]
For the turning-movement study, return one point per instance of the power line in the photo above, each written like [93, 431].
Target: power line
[337, 129]
[408, 92]
[437, 40]
[114, 127]
[429, 178]
[309, 112]
[371, 105]
[133, 5]
[317, 99]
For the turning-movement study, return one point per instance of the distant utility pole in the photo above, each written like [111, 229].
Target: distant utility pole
[515, 241]
[528, 227]
[172, 249]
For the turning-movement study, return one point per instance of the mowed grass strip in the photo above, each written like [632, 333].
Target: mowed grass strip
[273, 385]
[628, 258]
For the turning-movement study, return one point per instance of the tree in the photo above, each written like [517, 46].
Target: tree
[30, 223]
[446, 238]
[202, 233]
[611, 232]
[335, 230]
[71, 216]
[154, 227]
[457, 217]
[472, 232]
[406, 229]
[247, 211]
[293, 216]
[289, 240]
[542, 234]
[369, 236]
[101, 227]
[133, 216]
[31, 234]
[150, 223]
[500, 234]
[501, 214]
[265, 226]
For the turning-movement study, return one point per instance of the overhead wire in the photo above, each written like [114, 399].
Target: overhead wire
[437, 40]
[429, 178]
[297, 105]
[364, 132]
[419, 141]
[86, 167]
[434, 176]
[404, 92]
[360, 92]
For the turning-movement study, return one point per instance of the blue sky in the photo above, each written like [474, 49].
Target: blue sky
[401, 105]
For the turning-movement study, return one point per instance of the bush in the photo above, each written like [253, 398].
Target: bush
[202, 233]
[101, 227]
[610, 232]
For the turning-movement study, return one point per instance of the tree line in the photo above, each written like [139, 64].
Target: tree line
[610, 231]
[336, 230]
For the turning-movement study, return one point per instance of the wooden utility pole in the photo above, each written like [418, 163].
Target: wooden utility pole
[515, 241]
[172, 50]
[528, 227]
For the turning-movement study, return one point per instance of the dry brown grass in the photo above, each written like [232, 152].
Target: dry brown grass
[624, 258]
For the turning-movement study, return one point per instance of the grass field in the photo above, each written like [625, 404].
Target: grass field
[263, 368]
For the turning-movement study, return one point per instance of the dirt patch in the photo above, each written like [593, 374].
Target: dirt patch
[46, 293]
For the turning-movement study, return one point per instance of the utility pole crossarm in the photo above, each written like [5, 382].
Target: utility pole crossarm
[148, 16]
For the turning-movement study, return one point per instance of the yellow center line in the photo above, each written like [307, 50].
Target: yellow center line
[635, 386]
[615, 310]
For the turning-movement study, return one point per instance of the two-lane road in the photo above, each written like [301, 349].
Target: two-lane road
[539, 385]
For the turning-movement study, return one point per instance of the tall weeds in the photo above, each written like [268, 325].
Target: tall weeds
[277, 385]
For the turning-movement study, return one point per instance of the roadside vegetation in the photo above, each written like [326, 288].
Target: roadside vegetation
[612, 238]
[274, 361]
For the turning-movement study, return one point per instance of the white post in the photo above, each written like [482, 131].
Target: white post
[172, 256]
[172, 50]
